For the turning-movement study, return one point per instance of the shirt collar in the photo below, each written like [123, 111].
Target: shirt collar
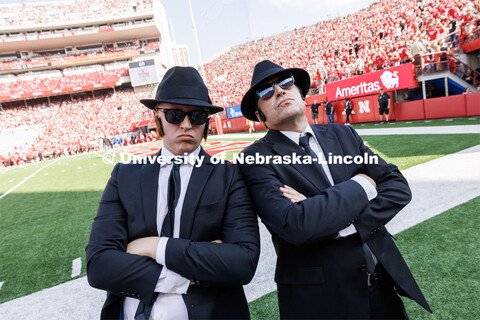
[189, 157]
[295, 136]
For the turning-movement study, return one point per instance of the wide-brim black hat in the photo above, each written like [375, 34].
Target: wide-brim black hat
[182, 85]
[266, 70]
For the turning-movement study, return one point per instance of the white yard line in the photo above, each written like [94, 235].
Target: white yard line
[437, 186]
[76, 267]
[455, 129]
[473, 128]
[27, 178]
[454, 178]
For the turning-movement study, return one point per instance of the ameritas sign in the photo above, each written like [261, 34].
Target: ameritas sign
[395, 78]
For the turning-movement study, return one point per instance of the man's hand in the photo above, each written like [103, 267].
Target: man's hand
[369, 179]
[146, 247]
[292, 194]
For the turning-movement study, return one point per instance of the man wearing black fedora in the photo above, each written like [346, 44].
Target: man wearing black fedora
[174, 240]
[335, 259]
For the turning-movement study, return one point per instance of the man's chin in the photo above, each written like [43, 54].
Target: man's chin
[187, 146]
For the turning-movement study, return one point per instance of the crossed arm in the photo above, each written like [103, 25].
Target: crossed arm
[130, 269]
[301, 220]
[229, 261]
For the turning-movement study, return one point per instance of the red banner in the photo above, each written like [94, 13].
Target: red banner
[395, 78]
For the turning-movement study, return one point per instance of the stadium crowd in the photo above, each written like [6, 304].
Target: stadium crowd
[47, 59]
[385, 34]
[70, 127]
[21, 14]
[90, 76]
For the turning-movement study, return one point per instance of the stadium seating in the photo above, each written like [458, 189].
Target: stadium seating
[70, 127]
[18, 14]
[380, 35]
[376, 37]
[93, 78]
[44, 60]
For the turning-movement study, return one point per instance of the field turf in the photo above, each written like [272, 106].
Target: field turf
[45, 222]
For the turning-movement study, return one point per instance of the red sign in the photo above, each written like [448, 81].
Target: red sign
[395, 78]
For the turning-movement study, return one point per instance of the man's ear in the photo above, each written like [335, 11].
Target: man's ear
[260, 116]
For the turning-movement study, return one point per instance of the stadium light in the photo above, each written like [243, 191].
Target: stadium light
[198, 45]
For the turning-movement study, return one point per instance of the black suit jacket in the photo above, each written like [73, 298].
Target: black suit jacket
[216, 206]
[319, 276]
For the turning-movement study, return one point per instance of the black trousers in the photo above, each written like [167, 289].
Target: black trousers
[384, 300]
[348, 112]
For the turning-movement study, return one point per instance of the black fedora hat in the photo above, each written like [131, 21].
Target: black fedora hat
[182, 85]
[266, 70]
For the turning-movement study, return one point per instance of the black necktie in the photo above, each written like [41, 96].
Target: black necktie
[303, 142]
[369, 256]
[144, 310]
[173, 193]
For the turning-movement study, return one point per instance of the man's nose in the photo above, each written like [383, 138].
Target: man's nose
[186, 124]
[279, 91]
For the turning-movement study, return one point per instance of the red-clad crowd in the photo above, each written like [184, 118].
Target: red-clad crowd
[385, 34]
[92, 76]
[41, 59]
[21, 13]
[71, 127]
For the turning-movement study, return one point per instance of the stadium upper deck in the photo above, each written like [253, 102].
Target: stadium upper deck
[53, 48]
[22, 14]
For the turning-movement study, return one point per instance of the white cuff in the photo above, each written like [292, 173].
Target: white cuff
[172, 283]
[169, 281]
[347, 231]
[367, 187]
[161, 248]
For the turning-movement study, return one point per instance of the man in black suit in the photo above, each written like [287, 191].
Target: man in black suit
[335, 259]
[180, 237]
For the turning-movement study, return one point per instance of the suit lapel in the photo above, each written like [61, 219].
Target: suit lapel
[331, 145]
[149, 192]
[196, 186]
[285, 147]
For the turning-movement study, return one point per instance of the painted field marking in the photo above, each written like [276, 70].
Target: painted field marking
[1, 284]
[27, 178]
[76, 267]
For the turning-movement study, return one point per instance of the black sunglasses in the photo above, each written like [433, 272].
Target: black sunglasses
[174, 116]
[270, 89]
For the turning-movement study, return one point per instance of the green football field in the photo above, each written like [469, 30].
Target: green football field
[46, 219]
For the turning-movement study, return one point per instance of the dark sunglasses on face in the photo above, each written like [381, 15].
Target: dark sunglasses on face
[174, 116]
[270, 89]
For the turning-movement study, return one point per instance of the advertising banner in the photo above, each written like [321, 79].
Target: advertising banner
[390, 79]
[234, 112]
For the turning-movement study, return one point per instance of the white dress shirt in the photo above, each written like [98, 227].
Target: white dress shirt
[369, 189]
[170, 286]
